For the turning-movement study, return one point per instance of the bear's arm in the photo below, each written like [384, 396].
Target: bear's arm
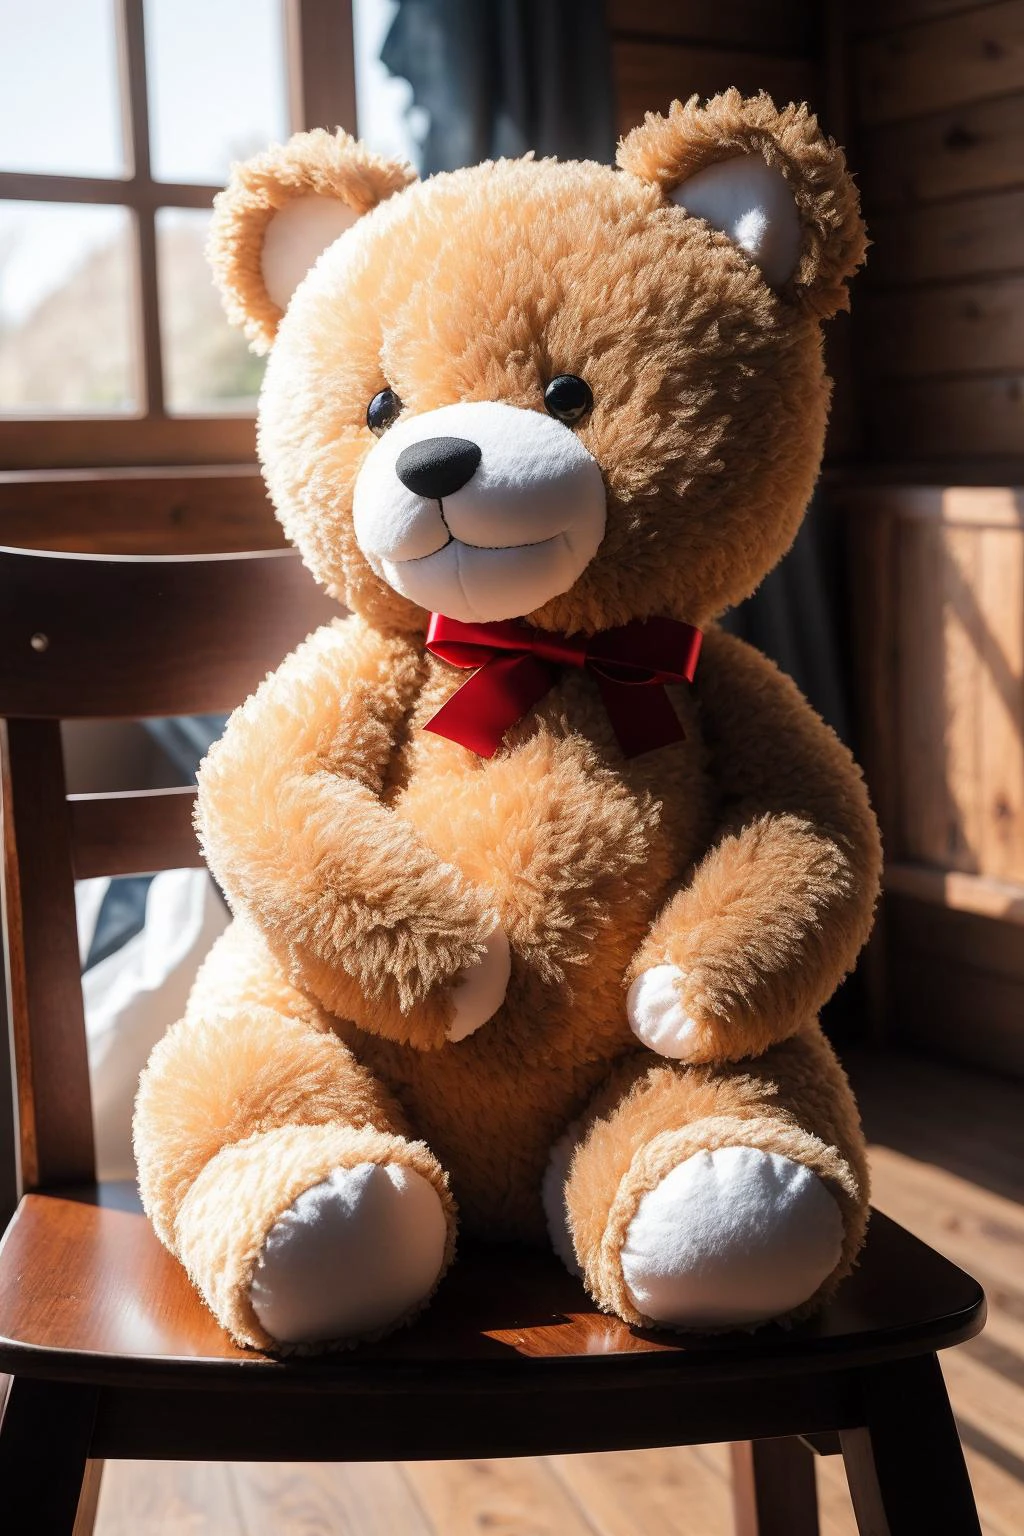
[364, 917]
[778, 909]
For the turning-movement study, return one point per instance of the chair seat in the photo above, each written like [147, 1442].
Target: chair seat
[87, 1293]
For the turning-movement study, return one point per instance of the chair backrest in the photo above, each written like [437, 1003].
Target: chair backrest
[97, 637]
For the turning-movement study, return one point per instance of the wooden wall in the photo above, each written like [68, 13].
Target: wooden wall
[939, 584]
[936, 129]
[663, 49]
[937, 132]
[937, 588]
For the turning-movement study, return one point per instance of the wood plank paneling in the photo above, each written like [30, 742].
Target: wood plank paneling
[949, 62]
[649, 76]
[932, 420]
[892, 15]
[999, 604]
[960, 892]
[944, 682]
[874, 607]
[944, 330]
[139, 512]
[950, 761]
[958, 983]
[784, 27]
[966, 237]
[918, 661]
[971, 149]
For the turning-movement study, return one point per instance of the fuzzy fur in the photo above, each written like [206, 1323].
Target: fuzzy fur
[367, 859]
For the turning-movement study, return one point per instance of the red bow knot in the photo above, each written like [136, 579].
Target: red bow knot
[514, 667]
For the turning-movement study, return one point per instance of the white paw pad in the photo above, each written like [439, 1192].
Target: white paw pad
[654, 1005]
[480, 989]
[729, 1238]
[350, 1256]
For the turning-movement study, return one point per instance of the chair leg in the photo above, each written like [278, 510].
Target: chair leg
[773, 1488]
[906, 1466]
[44, 1448]
[89, 1498]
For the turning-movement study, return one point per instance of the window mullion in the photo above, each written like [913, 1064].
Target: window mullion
[321, 64]
[136, 95]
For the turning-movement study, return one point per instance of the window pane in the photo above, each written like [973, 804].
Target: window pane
[207, 363]
[216, 84]
[389, 121]
[66, 300]
[60, 110]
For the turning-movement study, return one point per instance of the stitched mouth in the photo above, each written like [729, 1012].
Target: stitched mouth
[466, 543]
[497, 549]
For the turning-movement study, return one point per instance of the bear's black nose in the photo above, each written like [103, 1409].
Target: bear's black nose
[438, 466]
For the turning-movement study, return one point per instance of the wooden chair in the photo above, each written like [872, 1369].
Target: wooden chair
[112, 1354]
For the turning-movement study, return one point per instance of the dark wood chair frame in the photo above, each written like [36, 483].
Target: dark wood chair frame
[109, 1351]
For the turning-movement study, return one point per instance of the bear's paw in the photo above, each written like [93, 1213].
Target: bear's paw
[654, 1005]
[480, 989]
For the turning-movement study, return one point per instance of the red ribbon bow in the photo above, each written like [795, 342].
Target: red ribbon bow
[515, 668]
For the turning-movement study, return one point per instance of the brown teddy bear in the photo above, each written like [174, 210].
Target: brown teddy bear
[528, 925]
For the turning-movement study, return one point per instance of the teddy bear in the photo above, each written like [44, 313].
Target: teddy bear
[539, 877]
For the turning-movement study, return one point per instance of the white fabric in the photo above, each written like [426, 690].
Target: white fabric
[518, 533]
[481, 991]
[89, 896]
[296, 236]
[731, 1237]
[656, 1014]
[553, 1195]
[135, 995]
[752, 203]
[350, 1256]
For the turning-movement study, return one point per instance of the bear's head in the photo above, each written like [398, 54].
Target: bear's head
[567, 393]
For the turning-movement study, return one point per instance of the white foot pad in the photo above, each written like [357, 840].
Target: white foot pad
[480, 990]
[350, 1256]
[730, 1238]
[656, 1014]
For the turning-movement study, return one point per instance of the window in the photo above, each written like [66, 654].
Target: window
[118, 121]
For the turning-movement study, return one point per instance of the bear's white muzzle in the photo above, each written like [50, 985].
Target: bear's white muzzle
[516, 533]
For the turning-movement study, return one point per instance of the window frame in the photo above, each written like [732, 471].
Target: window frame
[320, 83]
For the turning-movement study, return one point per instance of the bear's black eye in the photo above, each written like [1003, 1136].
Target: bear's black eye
[382, 411]
[568, 398]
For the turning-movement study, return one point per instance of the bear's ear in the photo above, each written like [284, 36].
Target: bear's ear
[769, 180]
[280, 210]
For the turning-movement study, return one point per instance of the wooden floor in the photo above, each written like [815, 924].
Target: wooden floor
[948, 1162]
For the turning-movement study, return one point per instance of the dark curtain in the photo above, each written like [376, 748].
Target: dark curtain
[500, 77]
[796, 617]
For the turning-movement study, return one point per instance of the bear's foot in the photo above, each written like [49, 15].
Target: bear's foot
[726, 1238]
[350, 1256]
[311, 1236]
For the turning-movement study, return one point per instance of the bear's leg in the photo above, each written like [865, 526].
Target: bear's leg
[714, 1197]
[279, 1170]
